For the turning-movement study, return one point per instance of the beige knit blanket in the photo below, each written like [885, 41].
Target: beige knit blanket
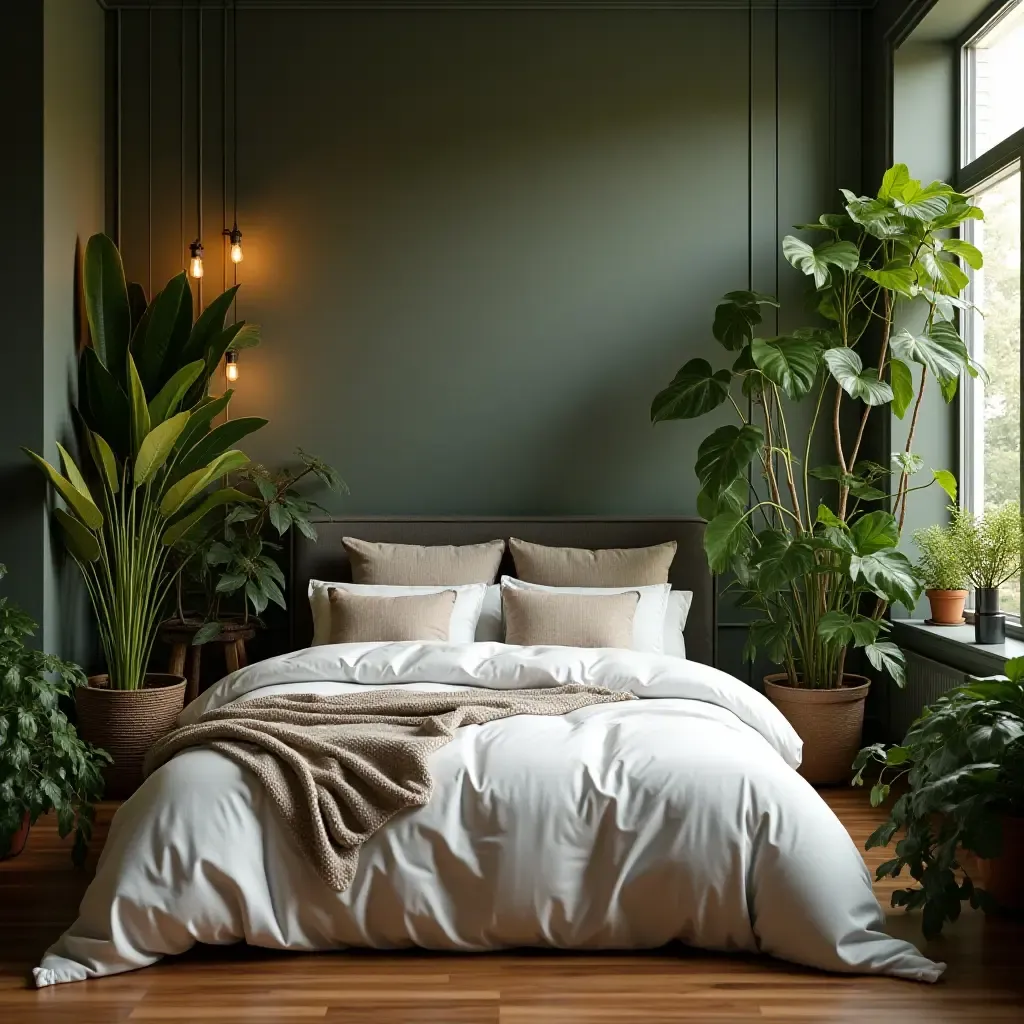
[339, 768]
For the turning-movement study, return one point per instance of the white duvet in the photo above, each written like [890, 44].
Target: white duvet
[675, 817]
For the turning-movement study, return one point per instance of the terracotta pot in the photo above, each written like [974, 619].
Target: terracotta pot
[828, 721]
[126, 723]
[947, 607]
[1001, 877]
[18, 840]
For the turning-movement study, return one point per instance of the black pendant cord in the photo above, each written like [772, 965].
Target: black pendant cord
[750, 234]
[181, 149]
[199, 139]
[777, 242]
[119, 91]
[149, 153]
[224, 147]
[234, 131]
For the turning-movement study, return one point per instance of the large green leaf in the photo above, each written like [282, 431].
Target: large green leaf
[970, 254]
[170, 395]
[156, 446]
[894, 276]
[945, 275]
[791, 363]
[104, 404]
[780, 560]
[875, 531]
[140, 408]
[894, 181]
[887, 657]
[725, 537]
[946, 481]
[247, 337]
[876, 216]
[772, 636]
[137, 303]
[959, 211]
[940, 349]
[106, 304]
[901, 380]
[104, 459]
[191, 486]
[694, 391]
[225, 496]
[843, 628]
[845, 366]
[817, 259]
[81, 542]
[734, 324]
[83, 507]
[732, 499]
[208, 326]
[723, 456]
[923, 203]
[202, 415]
[218, 440]
[889, 574]
[156, 337]
[74, 474]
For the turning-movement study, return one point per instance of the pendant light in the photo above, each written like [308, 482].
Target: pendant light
[231, 366]
[195, 267]
[233, 233]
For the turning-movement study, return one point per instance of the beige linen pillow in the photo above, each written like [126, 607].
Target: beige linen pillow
[416, 565]
[359, 619]
[583, 567]
[535, 617]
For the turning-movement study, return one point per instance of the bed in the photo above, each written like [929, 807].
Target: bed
[676, 816]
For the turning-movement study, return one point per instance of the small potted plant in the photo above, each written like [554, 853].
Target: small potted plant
[232, 570]
[991, 550]
[45, 765]
[963, 761]
[944, 573]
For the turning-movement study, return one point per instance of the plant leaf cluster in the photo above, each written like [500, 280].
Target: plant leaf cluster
[822, 575]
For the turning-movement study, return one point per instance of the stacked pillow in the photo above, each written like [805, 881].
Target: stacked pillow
[578, 597]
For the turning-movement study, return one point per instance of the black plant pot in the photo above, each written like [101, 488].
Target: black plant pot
[989, 622]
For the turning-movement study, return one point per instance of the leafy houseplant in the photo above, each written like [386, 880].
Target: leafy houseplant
[146, 419]
[44, 765]
[233, 561]
[944, 572]
[964, 762]
[991, 545]
[823, 573]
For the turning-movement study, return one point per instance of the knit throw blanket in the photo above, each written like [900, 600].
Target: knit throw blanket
[338, 768]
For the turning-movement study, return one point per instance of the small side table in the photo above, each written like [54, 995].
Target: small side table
[179, 635]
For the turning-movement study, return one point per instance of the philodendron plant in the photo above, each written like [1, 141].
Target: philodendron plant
[147, 421]
[822, 574]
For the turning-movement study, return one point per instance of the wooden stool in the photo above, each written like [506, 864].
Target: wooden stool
[179, 635]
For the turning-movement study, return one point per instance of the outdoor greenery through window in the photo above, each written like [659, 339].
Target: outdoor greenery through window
[992, 139]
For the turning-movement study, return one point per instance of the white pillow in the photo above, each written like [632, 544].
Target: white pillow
[648, 620]
[679, 602]
[489, 627]
[469, 599]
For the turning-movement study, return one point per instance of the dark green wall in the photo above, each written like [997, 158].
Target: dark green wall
[479, 241]
[51, 180]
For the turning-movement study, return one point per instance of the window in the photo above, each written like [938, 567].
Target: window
[992, 145]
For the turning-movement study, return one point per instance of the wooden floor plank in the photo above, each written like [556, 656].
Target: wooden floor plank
[39, 894]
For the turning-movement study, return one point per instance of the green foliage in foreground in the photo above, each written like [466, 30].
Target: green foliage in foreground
[963, 760]
[44, 765]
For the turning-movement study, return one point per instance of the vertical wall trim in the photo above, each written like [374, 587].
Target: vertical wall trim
[118, 93]
[181, 152]
[199, 143]
[750, 235]
[149, 152]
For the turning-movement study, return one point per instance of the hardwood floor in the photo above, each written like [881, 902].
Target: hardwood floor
[39, 893]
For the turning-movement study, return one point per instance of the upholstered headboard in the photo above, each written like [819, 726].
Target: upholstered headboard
[326, 559]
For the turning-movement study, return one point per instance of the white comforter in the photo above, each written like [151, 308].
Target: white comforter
[627, 825]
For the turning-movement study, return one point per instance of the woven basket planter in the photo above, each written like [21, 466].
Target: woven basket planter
[126, 723]
[828, 721]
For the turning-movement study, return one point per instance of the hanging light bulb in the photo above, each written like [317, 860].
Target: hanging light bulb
[195, 267]
[231, 367]
[236, 244]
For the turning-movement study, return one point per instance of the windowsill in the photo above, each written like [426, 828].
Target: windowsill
[955, 646]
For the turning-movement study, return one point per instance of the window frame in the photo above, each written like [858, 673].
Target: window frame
[1002, 159]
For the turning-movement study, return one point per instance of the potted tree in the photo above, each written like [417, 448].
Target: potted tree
[961, 821]
[991, 547]
[45, 764]
[147, 421]
[944, 573]
[822, 573]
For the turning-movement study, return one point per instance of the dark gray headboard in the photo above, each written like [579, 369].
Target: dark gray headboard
[326, 558]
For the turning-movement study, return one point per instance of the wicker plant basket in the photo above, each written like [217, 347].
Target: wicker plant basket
[126, 723]
[828, 721]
